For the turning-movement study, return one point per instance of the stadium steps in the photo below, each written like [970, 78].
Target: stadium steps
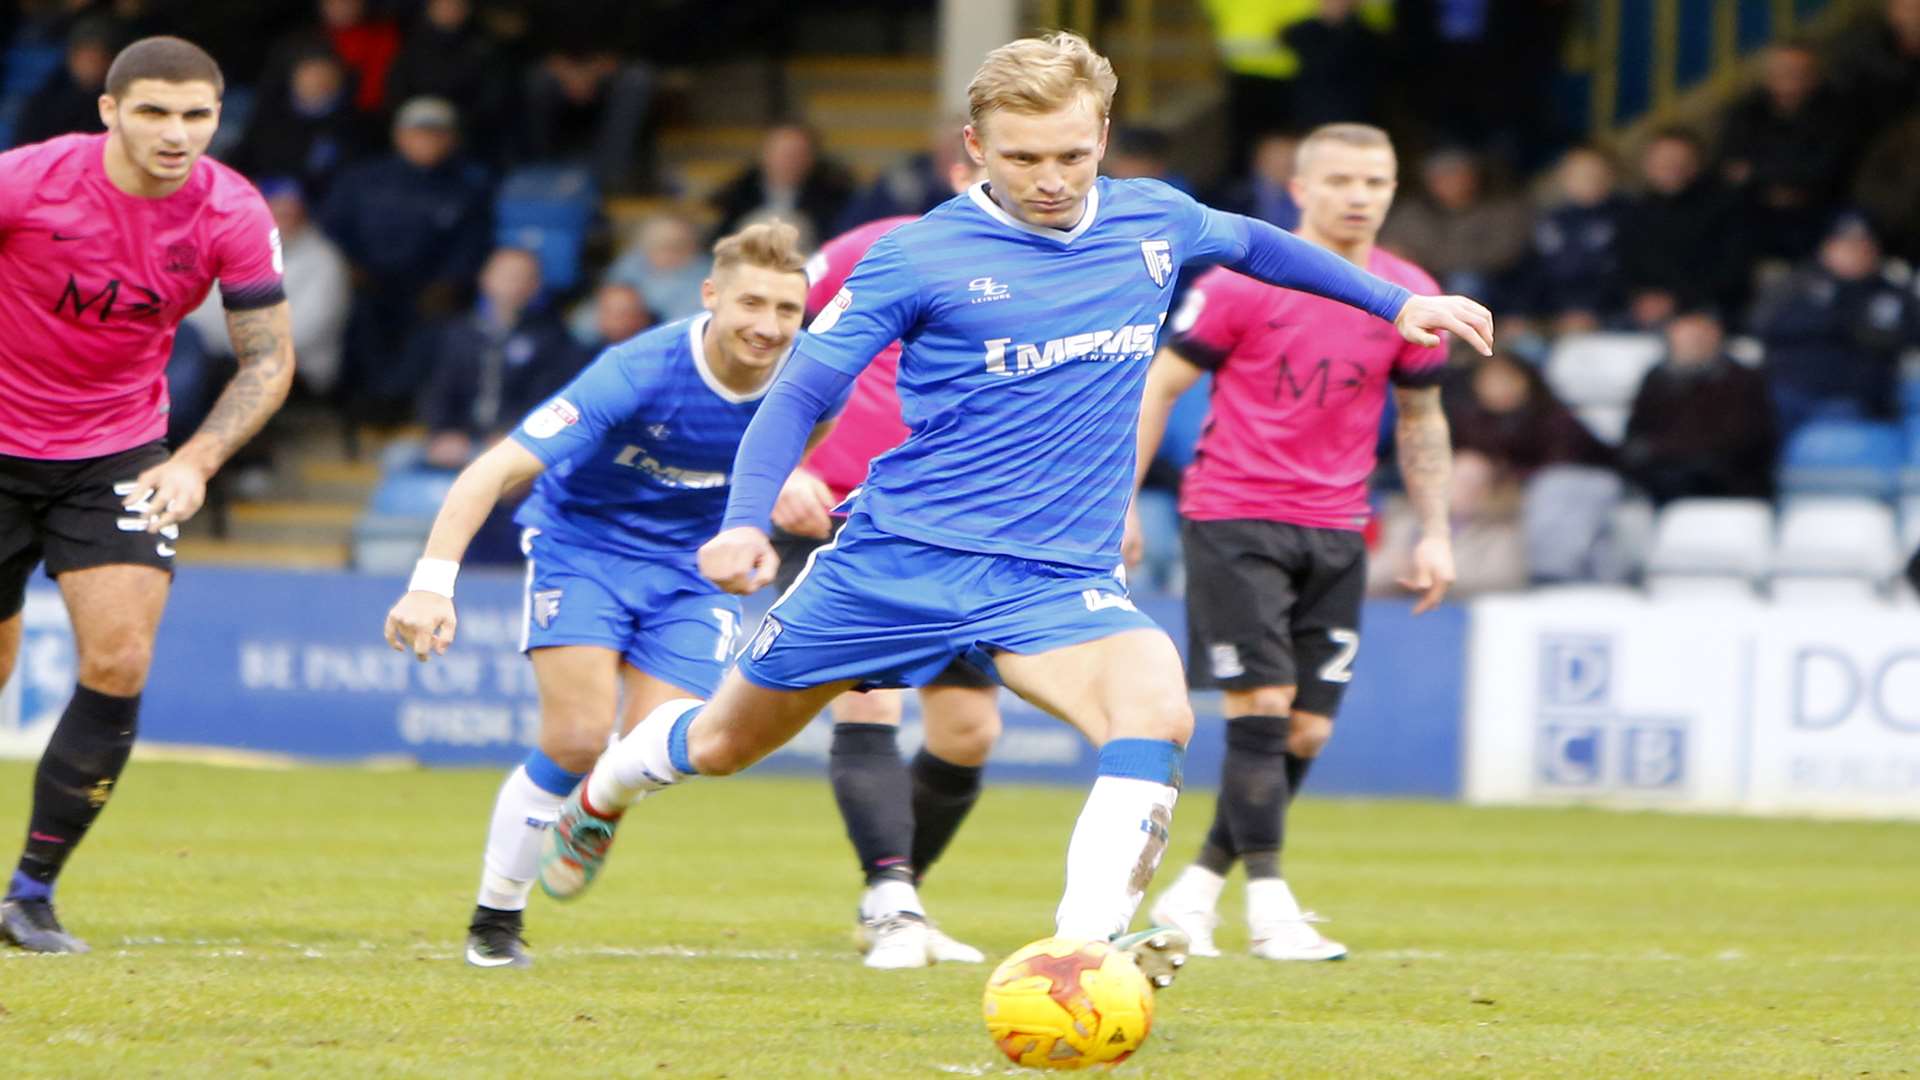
[277, 555]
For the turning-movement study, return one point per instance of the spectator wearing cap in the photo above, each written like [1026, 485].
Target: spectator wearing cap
[1785, 148]
[306, 128]
[319, 292]
[1464, 236]
[69, 101]
[416, 225]
[448, 55]
[791, 181]
[1681, 245]
[1700, 424]
[1834, 330]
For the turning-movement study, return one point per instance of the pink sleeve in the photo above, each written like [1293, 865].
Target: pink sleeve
[1209, 324]
[246, 254]
[20, 172]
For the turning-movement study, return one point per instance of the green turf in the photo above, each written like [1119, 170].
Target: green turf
[309, 923]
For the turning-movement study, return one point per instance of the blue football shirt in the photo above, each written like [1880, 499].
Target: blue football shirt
[1025, 351]
[639, 448]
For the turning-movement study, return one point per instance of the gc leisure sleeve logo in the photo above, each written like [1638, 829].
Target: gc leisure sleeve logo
[551, 419]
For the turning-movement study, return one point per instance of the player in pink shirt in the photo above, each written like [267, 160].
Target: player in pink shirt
[106, 242]
[1272, 510]
[900, 818]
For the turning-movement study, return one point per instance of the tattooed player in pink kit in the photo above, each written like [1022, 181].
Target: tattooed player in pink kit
[106, 241]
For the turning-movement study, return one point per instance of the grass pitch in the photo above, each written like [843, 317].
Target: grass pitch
[310, 923]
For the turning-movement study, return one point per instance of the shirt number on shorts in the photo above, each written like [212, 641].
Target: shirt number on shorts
[1340, 668]
[729, 629]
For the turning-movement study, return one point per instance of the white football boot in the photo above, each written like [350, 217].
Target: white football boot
[1280, 930]
[1188, 906]
[899, 941]
[942, 949]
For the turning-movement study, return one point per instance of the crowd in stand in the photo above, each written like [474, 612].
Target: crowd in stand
[380, 134]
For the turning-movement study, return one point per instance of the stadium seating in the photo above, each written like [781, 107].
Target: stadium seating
[1910, 476]
[1597, 375]
[1835, 551]
[1717, 547]
[548, 210]
[388, 537]
[1844, 457]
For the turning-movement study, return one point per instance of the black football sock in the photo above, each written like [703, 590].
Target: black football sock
[1297, 768]
[1253, 790]
[943, 794]
[1217, 854]
[871, 785]
[77, 774]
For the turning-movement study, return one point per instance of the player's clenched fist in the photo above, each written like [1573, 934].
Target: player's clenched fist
[422, 622]
[740, 560]
[1422, 318]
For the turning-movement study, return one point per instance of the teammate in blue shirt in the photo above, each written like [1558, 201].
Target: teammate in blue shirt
[633, 461]
[1029, 309]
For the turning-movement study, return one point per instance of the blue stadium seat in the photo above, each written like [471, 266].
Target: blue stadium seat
[548, 210]
[416, 492]
[1910, 481]
[1910, 397]
[1844, 457]
[28, 67]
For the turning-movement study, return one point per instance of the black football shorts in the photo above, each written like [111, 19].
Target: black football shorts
[68, 514]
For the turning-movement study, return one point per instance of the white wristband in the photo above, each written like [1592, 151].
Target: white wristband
[434, 576]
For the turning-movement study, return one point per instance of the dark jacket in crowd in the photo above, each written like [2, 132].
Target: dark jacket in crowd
[911, 187]
[1574, 262]
[465, 67]
[484, 378]
[408, 227]
[60, 107]
[313, 148]
[1541, 432]
[1688, 244]
[1834, 346]
[1798, 162]
[1702, 431]
[823, 195]
[1342, 68]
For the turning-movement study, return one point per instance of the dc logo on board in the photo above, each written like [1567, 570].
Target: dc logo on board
[1585, 742]
[1159, 258]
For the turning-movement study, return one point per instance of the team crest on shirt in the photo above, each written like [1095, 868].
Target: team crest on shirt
[1158, 255]
[182, 258]
[546, 607]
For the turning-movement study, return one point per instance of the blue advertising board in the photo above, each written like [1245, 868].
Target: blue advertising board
[293, 663]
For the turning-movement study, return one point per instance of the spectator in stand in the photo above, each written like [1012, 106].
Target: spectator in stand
[585, 105]
[791, 181]
[1142, 152]
[1343, 65]
[1886, 190]
[1480, 72]
[1786, 147]
[618, 312]
[70, 100]
[1572, 277]
[493, 365]
[1701, 424]
[1877, 64]
[1834, 331]
[319, 290]
[366, 44]
[1489, 545]
[448, 55]
[666, 267]
[306, 129]
[416, 225]
[1466, 239]
[1263, 193]
[913, 186]
[1502, 409]
[1260, 68]
[1681, 246]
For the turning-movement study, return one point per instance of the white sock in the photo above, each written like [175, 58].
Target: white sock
[889, 897]
[522, 814]
[1116, 846]
[1197, 888]
[640, 762]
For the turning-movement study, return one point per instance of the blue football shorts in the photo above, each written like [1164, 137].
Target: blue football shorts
[887, 611]
[661, 616]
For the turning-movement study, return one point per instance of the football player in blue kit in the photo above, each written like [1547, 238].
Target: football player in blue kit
[1029, 309]
[633, 461]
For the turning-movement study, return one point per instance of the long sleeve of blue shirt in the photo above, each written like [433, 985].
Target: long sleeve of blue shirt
[777, 437]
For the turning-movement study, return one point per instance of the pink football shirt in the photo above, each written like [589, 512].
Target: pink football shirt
[870, 425]
[1299, 384]
[94, 282]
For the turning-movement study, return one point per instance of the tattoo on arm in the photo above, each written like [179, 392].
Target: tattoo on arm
[263, 348]
[1426, 457]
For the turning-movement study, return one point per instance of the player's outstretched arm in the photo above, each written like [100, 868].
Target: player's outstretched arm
[1425, 448]
[423, 620]
[174, 490]
[1170, 376]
